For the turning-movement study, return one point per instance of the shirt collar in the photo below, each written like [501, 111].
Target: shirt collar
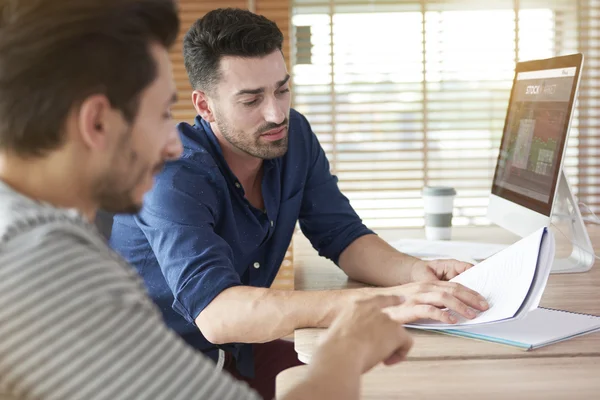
[205, 126]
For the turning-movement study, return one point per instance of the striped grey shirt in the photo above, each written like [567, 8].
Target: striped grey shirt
[75, 320]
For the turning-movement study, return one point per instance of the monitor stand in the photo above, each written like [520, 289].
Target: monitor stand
[574, 251]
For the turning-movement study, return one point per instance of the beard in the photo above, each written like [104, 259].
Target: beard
[253, 145]
[114, 192]
[114, 197]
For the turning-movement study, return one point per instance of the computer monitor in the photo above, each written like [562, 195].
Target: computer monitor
[529, 180]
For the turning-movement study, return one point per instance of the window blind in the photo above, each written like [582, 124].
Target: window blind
[589, 105]
[404, 94]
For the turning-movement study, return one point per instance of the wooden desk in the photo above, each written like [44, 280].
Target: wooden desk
[531, 379]
[572, 292]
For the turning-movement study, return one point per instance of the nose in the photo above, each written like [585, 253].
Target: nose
[173, 147]
[274, 111]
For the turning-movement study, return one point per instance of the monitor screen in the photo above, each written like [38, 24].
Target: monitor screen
[535, 133]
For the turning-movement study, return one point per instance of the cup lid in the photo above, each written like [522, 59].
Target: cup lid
[438, 191]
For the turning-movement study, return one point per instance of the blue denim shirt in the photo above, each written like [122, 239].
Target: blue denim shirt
[197, 235]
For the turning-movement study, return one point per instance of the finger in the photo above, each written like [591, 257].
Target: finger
[406, 343]
[399, 355]
[384, 301]
[468, 296]
[456, 268]
[407, 313]
[448, 269]
[395, 358]
[431, 275]
[445, 300]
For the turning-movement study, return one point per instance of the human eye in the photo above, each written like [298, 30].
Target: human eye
[250, 103]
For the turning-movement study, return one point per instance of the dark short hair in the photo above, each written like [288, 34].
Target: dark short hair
[226, 32]
[56, 53]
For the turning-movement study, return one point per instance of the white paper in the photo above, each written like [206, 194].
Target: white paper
[505, 280]
[544, 268]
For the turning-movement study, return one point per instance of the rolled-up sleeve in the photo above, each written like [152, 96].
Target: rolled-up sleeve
[326, 217]
[178, 221]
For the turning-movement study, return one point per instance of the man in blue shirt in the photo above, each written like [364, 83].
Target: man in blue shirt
[214, 230]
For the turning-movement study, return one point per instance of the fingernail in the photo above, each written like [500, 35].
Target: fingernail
[484, 304]
[453, 319]
[470, 313]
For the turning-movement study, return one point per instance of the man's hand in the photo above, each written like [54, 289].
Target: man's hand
[430, 294]
[360, 337]
[364, 334]
[437, 270]
[433, 300]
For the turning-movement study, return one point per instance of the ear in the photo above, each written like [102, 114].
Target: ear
[202, 105]
[96, 121]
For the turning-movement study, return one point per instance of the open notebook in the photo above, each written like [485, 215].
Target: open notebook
[513, 281]
[538, 328]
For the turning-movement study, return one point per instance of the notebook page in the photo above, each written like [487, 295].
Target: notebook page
[545, 260]
[539, 327]
[503, 279]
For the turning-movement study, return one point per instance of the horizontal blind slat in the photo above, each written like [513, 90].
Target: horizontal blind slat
[381, 99]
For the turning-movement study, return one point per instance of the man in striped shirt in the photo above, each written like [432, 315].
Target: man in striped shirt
[85, 93]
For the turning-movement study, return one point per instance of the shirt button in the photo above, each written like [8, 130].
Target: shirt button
[237, 185]
[272, 223]
[256, 265]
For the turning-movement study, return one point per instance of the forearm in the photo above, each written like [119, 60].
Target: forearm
[244, 314]
[371, 260]
[340, 381]
[332, 374]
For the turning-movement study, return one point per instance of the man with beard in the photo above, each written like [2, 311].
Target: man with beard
[215, 229]
[85, 95]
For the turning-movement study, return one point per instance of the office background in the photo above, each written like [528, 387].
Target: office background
[404, 94]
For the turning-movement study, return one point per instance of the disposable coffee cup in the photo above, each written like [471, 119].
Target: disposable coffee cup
[438, 203]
